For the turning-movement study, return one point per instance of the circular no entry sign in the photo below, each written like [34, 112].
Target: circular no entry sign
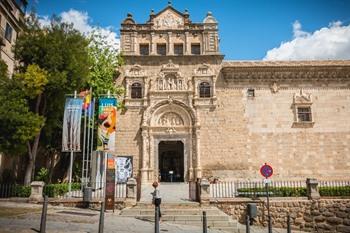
[266, 170]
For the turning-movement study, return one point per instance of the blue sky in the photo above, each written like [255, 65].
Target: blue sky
[248, 29]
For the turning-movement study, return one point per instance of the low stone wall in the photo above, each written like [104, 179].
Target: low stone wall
[324, 215]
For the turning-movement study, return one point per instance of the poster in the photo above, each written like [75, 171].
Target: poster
[72, 125]
[124, 168]
[107, 117]
[110, 182]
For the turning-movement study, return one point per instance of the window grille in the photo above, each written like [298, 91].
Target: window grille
[204, 90]
[136, 91]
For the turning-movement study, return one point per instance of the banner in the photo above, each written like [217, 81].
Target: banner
[107, 117]
[124, 168]
[71, 125]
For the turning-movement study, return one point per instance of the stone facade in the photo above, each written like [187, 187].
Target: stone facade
[11, 23]
[328, 215]
[230, 116]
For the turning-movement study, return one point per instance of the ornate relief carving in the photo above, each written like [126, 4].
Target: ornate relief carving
[274, 88]
[302, 98]
[170, 82]
[170, 119]
[170, 66]
[168, 20]
[135, 71]
[203, 70]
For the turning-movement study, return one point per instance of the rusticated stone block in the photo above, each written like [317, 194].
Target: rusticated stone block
[346, 222]
[343, 229]
[334, 220]
[328, 214]
[319, 218]
[323, 226]
[307, 219]
[341, 214]
[315, 213]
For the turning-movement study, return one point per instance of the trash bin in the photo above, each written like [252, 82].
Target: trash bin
[157, 201]
[252, 210]
[87, 194]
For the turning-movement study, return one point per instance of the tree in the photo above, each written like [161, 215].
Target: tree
[53, 61]
[105, 62]
[17, 123]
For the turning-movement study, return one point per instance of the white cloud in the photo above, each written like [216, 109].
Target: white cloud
[82, 22]
[332, 42]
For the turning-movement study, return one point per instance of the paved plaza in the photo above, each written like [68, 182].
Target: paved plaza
[24, 217]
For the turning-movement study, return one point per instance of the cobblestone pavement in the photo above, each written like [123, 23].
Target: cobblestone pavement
[64, 219]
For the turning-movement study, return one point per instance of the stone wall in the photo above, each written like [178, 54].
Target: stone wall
[325, 215]
[243, 133]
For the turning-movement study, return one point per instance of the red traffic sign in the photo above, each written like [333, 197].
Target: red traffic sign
[266, 170]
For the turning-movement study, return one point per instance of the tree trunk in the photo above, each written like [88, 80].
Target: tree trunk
[32, 150]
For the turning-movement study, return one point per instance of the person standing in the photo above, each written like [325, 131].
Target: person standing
[156, 198]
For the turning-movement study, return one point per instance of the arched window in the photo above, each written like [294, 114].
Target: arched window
[204, 90]
[136, 91]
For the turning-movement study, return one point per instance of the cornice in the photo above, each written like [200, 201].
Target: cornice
[286, 70]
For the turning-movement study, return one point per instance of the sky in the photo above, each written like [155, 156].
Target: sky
[248, 29]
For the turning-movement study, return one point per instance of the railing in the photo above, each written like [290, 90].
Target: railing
[60, 191]
[230, 189]
[334, 188]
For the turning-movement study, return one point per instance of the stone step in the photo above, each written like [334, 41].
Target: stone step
[136, 212]
[175, 218]
[227, 229]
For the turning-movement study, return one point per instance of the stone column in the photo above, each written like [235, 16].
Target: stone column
[312, 189]
[36, 191]
[205, 191]
[170, 44]
[144, 169]
[198, 169]
[190, 158]
[131, 191]
[152, 173]
[187, 44]
[152, 45]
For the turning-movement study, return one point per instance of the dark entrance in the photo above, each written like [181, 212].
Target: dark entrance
[171, 161]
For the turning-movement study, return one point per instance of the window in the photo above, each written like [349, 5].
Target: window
[196, 49]
[251, 92]
[178, 49]
[304, 114]
[136, 91]
[144, 49]
[8, 32]
[204, 90]
[161, 49]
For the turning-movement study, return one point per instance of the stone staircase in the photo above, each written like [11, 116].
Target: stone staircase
[185, 214]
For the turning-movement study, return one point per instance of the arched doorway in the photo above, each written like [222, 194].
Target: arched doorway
[171, 161]
[170, 135]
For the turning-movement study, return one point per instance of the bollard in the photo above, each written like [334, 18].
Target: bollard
[247, 224]
[289, 230]
[102, 218]
[156, 220]
[43, 216]
[205, 227]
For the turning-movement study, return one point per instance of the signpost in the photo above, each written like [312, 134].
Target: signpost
[267, 171]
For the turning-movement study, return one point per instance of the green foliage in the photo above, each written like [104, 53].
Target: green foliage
[23, 191]
[56, 190]
[273, 192]
[334, 191]
[105, 61]
[33, 80]
[14, 190]
[17, 123]
[43, 175]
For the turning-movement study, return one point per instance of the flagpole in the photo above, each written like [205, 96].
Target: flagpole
[88, 137]
[71, 156]
[92, 130]
[84, 141]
